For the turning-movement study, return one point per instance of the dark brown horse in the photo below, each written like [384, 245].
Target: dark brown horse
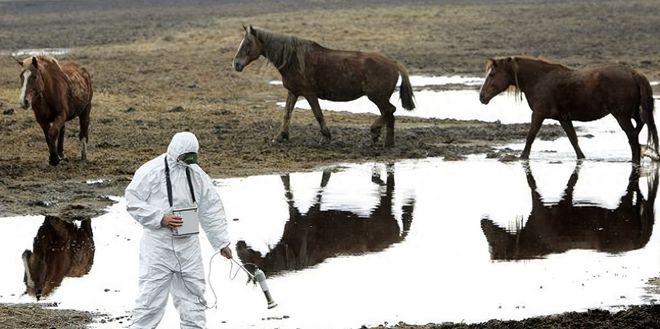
[60, 249]
[312, 237]
[557, 92]
[312, 71]
[566, 225]
[57, 92]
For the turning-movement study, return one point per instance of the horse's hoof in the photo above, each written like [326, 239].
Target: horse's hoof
[281, 137]
[53, 160]
[649, 152]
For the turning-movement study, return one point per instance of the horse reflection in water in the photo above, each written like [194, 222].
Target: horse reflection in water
[566, 225]
[310, 238]
[60, 249]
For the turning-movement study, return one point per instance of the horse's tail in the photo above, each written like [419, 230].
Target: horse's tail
[646, 111]
[405, 91]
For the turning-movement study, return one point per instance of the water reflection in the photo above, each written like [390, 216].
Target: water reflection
[60, 248]
[566, 225]
[319, 234]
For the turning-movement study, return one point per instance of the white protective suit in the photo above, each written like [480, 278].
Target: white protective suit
[160, 270]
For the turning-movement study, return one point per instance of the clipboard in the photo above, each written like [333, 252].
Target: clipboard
[190, 222]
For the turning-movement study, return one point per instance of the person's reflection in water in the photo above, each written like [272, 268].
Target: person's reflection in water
[556, 228]
[310, 238]
[61, 248]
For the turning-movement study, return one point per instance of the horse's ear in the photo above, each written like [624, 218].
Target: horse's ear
[491, 63]
[244, 28]
[18, 61]
[251, 30]
[34, 61]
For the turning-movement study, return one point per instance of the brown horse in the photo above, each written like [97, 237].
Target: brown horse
[57, 92]
[314, 72]
[60, 249]
[557, 92]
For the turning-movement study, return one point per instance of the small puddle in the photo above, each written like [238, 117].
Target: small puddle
[35, 51]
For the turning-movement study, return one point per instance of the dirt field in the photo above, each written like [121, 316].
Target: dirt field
[160, 66]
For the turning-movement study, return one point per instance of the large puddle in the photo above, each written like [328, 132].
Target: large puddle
[416, 241]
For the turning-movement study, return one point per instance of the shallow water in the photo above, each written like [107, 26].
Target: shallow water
[417, 241]
[461, 104]
[35, 51]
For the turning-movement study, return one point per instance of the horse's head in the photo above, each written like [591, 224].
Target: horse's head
[249, 49]
[34, 275]
[31, 82]
[497, 78]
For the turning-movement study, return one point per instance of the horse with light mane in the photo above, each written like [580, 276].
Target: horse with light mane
[60, 249]
[57, 92]
[315, 72]
[557, 92]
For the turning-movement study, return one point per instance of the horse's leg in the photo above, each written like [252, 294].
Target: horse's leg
[56, 130]
[537, 121]
[53, 158]
[633, 137]
[60, 143]
[288, 108]
[389, 129]
[639, 123]
[83, 136]
[386, 118]
[375, 129]
[572, 136]
[316, 109]
[387, 110]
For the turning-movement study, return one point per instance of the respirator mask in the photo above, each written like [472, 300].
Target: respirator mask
[188, 158]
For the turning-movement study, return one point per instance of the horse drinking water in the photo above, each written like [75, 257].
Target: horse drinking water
[314, 72]
[57, 92]
[557, 92]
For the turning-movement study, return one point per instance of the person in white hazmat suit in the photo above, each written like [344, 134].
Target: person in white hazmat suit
[173, 264]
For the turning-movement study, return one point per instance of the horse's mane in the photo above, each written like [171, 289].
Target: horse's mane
[48, 60]
[52, 66]
[283, 49]
[514, 60]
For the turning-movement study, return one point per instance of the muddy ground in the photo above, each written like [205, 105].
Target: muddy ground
[162, 66]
